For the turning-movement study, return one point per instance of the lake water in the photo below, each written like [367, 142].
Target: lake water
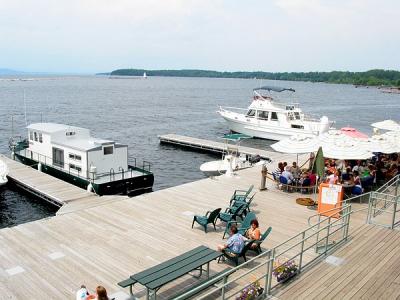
[134, 111]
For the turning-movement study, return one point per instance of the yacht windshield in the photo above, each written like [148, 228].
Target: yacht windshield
[263, 114]
[251, 113]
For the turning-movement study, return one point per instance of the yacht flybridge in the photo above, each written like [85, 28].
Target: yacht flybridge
[265, 118]
[70, 153]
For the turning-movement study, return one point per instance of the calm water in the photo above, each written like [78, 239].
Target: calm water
[135, 111]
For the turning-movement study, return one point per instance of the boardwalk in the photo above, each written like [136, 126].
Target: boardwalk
[106, 242]
[368, 268]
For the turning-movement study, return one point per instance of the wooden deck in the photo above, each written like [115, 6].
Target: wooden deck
[368, 268]
[104, 242]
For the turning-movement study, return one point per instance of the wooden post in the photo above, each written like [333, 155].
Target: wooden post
[264, 171]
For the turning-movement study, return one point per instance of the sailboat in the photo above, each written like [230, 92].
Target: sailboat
[144, 75]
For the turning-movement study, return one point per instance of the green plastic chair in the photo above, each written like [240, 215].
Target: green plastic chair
[234, 256]
[262, 239]
[209, 218]
[241, 195]
[231, 213]
[246, 203]
[242, 225]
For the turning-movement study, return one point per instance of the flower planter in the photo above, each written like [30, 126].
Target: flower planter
[286, 279]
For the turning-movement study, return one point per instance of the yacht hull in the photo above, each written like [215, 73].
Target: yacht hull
[274, 133]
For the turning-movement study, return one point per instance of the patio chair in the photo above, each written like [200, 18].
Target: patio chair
[259, 242]
[231, 213]
[209, 218]
[234, 256]
[242, 226]
[284, 182]
[246, 203]
[241, 195]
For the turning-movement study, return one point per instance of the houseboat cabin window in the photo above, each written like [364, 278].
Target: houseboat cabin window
[251, 113]
[36, 136]
[40, 138]
[75, 157]
[58, 157]
[274, 116]
[263, 114]
[75, 167]
[31, 135]
[108, 150]
[69, 133]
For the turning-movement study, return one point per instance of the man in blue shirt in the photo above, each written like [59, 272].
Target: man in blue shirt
[235, 242]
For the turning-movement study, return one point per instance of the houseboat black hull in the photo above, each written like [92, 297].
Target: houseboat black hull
[129, 186]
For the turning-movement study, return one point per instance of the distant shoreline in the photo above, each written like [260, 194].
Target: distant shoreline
[386, 78]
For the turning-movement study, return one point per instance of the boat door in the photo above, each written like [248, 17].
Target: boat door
[58, 157]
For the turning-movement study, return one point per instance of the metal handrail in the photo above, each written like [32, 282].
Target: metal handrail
[272, 254]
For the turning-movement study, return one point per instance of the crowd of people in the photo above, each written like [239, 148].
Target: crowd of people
[379, 169]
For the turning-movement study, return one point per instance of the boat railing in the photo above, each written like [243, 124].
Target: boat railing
[48, 161]
[144, 168]
[233, 109]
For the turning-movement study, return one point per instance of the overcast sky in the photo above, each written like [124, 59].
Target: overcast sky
[249, 35]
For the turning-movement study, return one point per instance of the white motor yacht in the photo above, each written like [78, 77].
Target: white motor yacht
[3, 173]
[268, 119]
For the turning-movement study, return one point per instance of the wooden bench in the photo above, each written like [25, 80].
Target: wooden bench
[194, 289]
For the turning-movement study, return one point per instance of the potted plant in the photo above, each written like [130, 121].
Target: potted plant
[251, 292]
[283, 272]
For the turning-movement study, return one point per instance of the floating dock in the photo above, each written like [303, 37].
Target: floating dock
[217, 147]
[51, 189]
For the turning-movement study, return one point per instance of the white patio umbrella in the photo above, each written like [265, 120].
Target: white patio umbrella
[382, 143]
[337, 145]
[348, 149]
[298, 143]
[387, 125]
[394, 137]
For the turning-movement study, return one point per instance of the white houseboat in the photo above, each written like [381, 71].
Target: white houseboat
[72, 154]
[265, 118]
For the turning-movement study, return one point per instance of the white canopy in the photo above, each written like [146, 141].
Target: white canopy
[335, 144]
[387, 125]
[382, 143]
[299, 143]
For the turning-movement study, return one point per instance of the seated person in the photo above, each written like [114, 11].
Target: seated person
[253, 233]
[288, 175]
[278, 171]
[295, 170]
[356, 178]
[235, 243]
[313, 179]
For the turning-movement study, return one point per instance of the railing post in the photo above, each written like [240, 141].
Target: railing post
[347, 222]
[223, 287]
[302, 249]
[317, 235]
[394, 212]
[270, 269]
[327, 235]
[371, 198]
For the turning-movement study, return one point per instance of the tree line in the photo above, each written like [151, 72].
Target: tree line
[369, 78]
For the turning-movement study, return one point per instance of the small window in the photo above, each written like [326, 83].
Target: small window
[298, 126]
[108, 150]
[251, 113]
[69, 133]
[31, 135]
[36, 136]
[40, 138]
[75, 156]
[297, 115]
[263, 114]
[274, 116]
[75, 167]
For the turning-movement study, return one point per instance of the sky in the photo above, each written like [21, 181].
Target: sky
[88, 36]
